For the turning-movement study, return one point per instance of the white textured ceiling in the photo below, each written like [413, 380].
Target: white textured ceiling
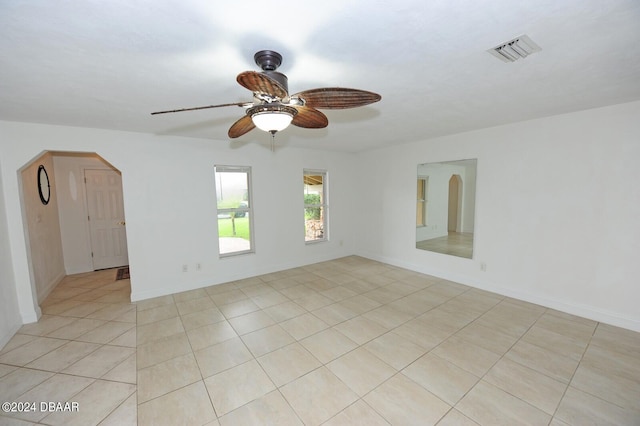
[109, 64]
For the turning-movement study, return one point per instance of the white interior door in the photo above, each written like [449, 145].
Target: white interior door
[106, 218]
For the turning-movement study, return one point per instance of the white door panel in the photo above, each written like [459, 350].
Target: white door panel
[106, 218]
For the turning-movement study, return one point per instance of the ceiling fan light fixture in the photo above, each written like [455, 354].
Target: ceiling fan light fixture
[272, 118]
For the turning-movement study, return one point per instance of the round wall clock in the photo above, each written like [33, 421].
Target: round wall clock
[44, 188]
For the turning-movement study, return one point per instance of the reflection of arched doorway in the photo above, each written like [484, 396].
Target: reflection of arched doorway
[455, 204]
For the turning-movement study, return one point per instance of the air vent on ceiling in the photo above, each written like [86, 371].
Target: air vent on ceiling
[512, 50]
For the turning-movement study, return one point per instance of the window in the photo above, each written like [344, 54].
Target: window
[315, 206]
[235, 213]
[421, 204]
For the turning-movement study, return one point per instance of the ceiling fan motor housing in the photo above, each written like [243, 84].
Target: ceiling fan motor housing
[269, 61]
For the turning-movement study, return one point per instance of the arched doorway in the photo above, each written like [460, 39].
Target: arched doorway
[455, 204]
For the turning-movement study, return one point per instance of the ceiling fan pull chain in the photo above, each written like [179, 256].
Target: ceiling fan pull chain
[273, 140]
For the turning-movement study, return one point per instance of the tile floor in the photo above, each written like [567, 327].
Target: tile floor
[345, 342]
[455, 244]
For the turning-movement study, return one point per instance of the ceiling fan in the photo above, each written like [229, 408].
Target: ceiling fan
[273, 108]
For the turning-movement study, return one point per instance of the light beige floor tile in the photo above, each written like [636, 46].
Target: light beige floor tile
[580, 408]
[45, 325]
[279, 284]
[550, 363]
[529, 385]
[488, 405]
[158, 313]
[210, 335]
[6, 369]
[271, 409]
[63, 357]
[58, 388]
[617, 339]
[401, 401]
[487, 338]
[99, 362]
[357, 414]
[125, 372]
[338, 293]
[125, 415]
[360, 329]
[158, 330]
[76, 328]
[304, 326]
[395, 350]
[564, 345]
[190, 295]
[609, 375]
[267, 339]
[30, 351]
[361, 370]
[222, 356]
[195, 305]
[334, 314]
[163, 350]
[238, 308]
[440, 377]
[328, 345]
[578, 331]
[189, 405]
[251, 322]
[202, 318]
[95, 402]
[128, 338]
[106, 332]
[16, 341]
[20, 381]
[388, 316]
[456, 418]
[313, 301]
[237, 386]
[318, 396]
[417, 332]
[297, 292]
[83, 309]
[166, 377]
[285, 311]
[359, 304]
[288, 363]
[227, 297]
[467, 356]
[155, 302]
[258, 289]
[57, 306]
[268, 299]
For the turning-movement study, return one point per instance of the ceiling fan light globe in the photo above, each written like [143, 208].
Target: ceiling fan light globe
[272, 118]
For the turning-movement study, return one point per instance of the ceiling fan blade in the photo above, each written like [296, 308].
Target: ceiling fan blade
[337, 98]
[310, 118]
[203, 107]
[261, 83]
[242, 126]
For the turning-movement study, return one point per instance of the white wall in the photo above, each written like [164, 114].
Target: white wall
[169, 197]
[43, 228]
[557, 211]
[10, 319]
[72, 204]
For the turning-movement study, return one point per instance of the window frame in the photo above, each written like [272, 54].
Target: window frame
[324, 204]
[246, 210]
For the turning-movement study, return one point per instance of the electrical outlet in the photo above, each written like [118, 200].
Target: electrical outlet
[198, 267]
[185, 268]
[483, 266]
